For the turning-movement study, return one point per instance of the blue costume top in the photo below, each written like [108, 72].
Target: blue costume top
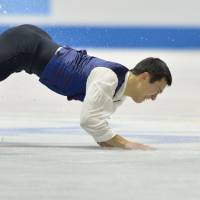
[68, 70]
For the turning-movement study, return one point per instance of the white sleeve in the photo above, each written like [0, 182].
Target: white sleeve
[98, 104]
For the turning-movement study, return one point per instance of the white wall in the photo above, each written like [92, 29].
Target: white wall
[112, 12]
[128, 12]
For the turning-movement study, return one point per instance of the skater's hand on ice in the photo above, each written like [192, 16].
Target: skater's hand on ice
[120, 142]
[138, 146]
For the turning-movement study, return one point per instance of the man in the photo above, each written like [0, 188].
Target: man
[101, 85]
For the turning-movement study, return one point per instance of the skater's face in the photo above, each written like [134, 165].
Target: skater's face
[145, 90]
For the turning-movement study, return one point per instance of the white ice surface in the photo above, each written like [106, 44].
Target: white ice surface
[44, 154]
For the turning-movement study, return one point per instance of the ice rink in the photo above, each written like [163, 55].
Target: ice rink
[44, 154]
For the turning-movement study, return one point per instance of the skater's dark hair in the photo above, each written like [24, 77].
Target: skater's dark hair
[155, 67]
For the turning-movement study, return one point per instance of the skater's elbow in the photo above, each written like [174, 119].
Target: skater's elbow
[85, 123]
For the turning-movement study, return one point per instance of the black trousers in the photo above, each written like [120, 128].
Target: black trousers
[25, 47]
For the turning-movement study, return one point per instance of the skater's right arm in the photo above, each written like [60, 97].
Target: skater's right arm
[97, 108]
[98, 104]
